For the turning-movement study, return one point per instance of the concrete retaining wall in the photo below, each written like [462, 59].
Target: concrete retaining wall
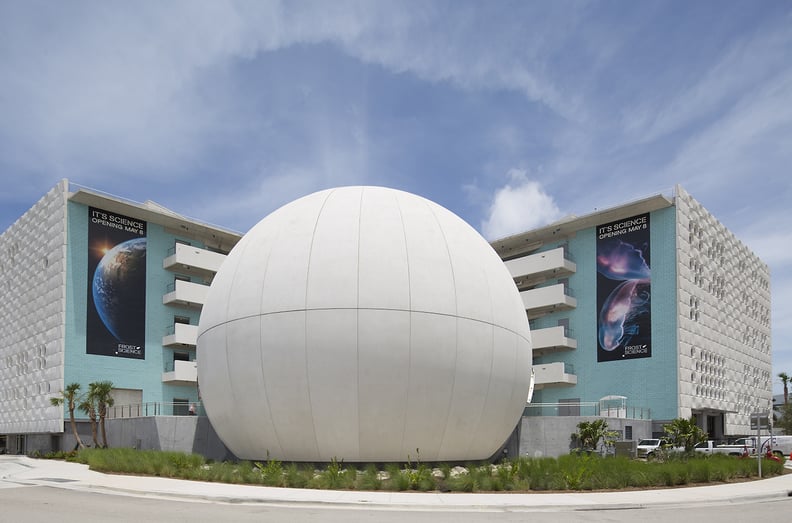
[178, 433]
[549, 436]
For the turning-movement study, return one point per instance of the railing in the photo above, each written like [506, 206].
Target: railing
[170, 366]
[154, 408]
[569, 332]
[585, 408]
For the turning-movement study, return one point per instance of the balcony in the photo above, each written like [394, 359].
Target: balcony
[545, 300]
[186, 293]
[181, 372]
[187, 259]
[532, 270]
[557, 374]
[552, 339]
[180, 335]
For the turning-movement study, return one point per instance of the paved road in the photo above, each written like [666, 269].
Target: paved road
[48, 504]
[45, 490]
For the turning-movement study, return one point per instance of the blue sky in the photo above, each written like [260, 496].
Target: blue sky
[511, 114]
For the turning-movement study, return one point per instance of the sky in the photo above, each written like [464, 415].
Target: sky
[510, 114]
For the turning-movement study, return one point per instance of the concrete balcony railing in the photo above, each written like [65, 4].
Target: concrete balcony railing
[545, 300]
[186, 293]
[532, 270]
[591, 408]
[181, 334]
[154, 408]
[182, 372]
[557, 374]
[187, 259]
[552, 339]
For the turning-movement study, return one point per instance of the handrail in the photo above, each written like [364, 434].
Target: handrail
[586, 408]
[154, 408]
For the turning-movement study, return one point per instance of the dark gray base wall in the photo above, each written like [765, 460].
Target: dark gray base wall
[29, 443]
[192, 434]
[549, 436]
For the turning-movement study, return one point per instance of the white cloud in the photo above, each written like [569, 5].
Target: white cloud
[89, 89]
[518, 206]
[725, 152]
[750, 60]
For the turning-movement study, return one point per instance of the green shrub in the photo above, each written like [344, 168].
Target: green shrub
[398, 479]
[370, 479]
[335, 476]
[570, 472]
[271, 473]
[296, 477]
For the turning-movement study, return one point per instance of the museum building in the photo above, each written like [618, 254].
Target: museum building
[651, 308]
[648, 310]
[132, 319]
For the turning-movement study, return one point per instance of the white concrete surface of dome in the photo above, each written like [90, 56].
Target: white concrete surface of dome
[363, 323]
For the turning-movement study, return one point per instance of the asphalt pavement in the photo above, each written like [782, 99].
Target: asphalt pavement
[16, 471]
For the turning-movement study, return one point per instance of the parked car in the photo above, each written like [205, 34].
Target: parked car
[648, 447]
[780, 446]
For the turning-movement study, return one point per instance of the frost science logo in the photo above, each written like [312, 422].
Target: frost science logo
[116, 285]
[624, 290]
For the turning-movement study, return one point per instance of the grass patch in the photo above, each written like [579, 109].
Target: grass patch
[567, 473]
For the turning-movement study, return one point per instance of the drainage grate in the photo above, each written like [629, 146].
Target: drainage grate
[55, 480]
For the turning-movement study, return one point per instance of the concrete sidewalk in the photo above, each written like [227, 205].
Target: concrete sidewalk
[20, 471]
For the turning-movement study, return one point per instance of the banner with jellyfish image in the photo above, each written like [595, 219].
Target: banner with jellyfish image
[624, 290]
[116, 315]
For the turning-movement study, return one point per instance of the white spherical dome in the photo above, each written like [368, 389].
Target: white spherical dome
[363, 323]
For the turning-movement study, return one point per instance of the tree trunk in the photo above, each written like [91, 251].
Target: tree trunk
[102, 416]
[94, 435]
[74, 428]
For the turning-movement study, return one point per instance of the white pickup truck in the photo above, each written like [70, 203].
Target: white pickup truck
[781, 446]
[712, 447]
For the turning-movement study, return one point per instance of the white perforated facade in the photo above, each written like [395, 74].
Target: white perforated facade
[32, 316]
[725, 363]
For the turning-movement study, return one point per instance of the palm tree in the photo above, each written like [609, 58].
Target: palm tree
[683, 432]
[786, 380]
[70, 396]
[88, 405]
[101, 392]
[591, 432]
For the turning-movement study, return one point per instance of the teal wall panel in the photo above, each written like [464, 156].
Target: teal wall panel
[646, 382]
[144, 374]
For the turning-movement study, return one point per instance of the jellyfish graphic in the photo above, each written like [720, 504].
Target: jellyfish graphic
[617, 260]
[620, 315]
[626, 307]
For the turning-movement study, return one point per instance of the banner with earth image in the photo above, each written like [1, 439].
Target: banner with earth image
[116, 315]
[624, 290]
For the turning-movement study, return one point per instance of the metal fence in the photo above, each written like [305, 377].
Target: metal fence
[593, 408]
[155, 408]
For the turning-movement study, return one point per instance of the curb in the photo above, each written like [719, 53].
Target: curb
[78, 477]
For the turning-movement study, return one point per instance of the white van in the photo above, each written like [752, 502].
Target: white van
[779, 445]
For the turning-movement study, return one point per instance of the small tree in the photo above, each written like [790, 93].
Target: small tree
[101, 393]
[683, 432]
[785, 380]
[590, 433]
[785, 422]
[70, 396]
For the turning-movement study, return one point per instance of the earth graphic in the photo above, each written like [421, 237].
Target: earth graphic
[119, 288]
